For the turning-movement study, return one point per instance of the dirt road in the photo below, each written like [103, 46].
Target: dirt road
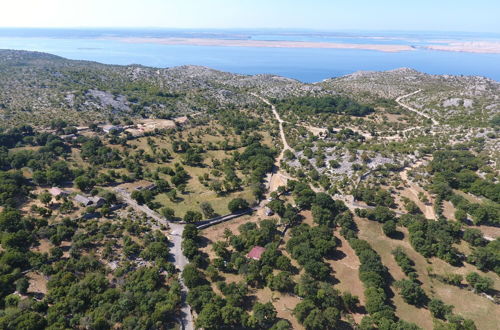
[398, 100]
[413, 190]
[280, 121]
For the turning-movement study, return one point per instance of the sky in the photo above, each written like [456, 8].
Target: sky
[377, 15]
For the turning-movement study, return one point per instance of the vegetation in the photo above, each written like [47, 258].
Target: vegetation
[89, 219]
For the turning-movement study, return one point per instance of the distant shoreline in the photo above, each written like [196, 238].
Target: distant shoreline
[479, 47]
[263, 43]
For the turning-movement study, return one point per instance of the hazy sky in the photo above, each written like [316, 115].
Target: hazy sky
[437, 15]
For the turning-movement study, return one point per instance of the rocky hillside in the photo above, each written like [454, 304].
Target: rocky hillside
[36, 87]
[464, 99]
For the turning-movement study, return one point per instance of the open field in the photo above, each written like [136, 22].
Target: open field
[470, 305]
[345, 270]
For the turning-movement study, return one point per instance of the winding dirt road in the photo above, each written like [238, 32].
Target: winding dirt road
[280, 121]
[398, 100]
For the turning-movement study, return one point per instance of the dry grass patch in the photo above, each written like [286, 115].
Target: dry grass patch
[470, 305]
[37, 283]
[284, 304]
[346, 271]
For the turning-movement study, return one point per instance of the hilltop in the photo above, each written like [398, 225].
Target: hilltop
[37, 86]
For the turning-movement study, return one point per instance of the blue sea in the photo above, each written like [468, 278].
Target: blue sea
[304, 64]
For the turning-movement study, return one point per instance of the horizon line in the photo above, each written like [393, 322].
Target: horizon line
[239, 28]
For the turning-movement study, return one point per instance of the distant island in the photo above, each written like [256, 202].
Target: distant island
[468, 47]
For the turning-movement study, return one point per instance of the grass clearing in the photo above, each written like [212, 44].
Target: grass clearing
[471, 305]
[345, 270]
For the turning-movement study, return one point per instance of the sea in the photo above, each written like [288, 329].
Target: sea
[304, 64]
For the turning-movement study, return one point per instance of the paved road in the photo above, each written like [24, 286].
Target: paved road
[224, 218]
[179, 260]
[398, 100]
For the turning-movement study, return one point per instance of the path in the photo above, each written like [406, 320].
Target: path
[280, 121]
[277, 178]
[414, 189]
[180, 261]
[398, 100]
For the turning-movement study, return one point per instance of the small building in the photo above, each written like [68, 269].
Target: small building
[97, 201]
[150, 186]
[58, 192]
[112, 128]
[80, 199]
[181, 120]
[68, 137]
[268, 212]
[256, 253]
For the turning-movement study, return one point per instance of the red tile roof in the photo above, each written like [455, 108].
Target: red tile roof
[256, 252]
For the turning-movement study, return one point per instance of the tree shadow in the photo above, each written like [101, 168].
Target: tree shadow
[397, 235]
[343, 325]
[337, 255]
[203, 241]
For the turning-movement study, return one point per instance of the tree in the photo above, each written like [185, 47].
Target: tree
[316, 320]
[56, 253]
[389, 228]
[237, 204]
[288, 154]
[199, 296]
[282, 324]
[192, 276]
[209, 317]
[375, 299]
[264, 314]
[322, 216]
[167, 212]
[45, 198]
[22, 285]
[155, 250]
[439, 309]
[22, 319]
[411, 292]
[84, 183]
[283, 263]
[479, 283]
[10, 220]
[231, 315]
[473, 236]
[207, 209]
[302, 309]
[277, 206]
[172, 195]
[193, 216]
[190, 232]
[460, 215]
[281, 282]
[350, 301]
